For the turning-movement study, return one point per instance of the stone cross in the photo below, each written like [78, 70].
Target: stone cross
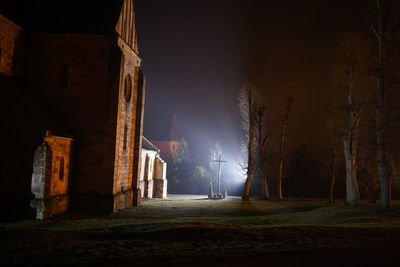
[219, 172]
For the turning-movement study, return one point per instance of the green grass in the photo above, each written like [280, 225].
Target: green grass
[156, 215]
[186, 230]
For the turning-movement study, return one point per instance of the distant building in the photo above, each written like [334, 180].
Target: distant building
[153, 182]
[72, 70]
[170, 140]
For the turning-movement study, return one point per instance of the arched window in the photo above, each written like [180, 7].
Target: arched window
[128, 88]
[125, 136]
[61, 174]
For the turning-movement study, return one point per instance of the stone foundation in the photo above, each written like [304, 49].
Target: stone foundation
[107, 203]
[93, 203]
[141, 188]
[148, 190]
[46, 208]
[160, 188]
[123, 200]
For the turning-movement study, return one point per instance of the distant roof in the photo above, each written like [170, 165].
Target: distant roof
[69, 16]
[164, 150]
[146, 144]
[172, 132]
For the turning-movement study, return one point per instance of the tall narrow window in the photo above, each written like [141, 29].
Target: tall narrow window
[64, 77]
[125, 136]
[61, 174]
[128, 87]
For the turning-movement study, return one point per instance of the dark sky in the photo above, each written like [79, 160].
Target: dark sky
[197, 54]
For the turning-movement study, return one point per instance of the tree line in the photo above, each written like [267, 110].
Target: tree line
[364, 97]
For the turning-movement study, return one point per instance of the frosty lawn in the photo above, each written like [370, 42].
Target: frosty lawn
[183, 231]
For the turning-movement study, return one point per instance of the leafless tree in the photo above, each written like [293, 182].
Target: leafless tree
[283, 136]
[262, 141]
[350, 72]
[386, 23]
[248, 101]
[331, 152]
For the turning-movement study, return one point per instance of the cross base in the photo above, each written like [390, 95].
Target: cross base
[218, 196]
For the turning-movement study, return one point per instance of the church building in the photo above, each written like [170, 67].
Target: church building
[72, 103]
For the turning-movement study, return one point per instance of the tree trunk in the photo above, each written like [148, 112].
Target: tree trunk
[331, 200]
[349, 145]
[246, 191]
[281, 158]
[353, 160]
[384, 169]
[349, 176]
[264, 181]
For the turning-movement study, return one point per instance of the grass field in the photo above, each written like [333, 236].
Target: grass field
[204, 232]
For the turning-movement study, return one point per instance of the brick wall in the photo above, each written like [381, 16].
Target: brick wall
[60, 162]
[50, 176]
[10, 33]
[81, 80]
[126, 131]
[73, 75]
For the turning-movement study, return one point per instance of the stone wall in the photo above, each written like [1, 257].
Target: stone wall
[50, 176]
[129, 127]
[81, 80]
[126, 27]
[77, 77]
[146, 173]
[10, 46]
[60, 164]
[153, 182]
[160, 180]
[90, 83]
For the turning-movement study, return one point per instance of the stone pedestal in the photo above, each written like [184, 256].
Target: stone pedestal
[148, 188]
[160, 188]
[48, 207]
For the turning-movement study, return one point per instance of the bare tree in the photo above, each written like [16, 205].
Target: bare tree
[331, 151]
[283, 136]
[248, 100]
[386, 20]
[262, 142]
[333, 176]
[350, 74]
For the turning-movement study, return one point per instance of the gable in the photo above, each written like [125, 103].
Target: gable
[126, 25]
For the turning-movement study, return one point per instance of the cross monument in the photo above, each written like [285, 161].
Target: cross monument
[219, 172]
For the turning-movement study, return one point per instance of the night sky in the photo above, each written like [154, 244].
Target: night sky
[197, 55]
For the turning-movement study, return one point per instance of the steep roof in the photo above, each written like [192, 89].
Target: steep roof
[146, 144]
[71, 16]
[172, 132]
